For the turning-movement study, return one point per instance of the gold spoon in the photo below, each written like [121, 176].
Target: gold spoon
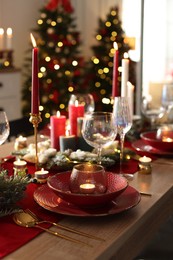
[25, 220]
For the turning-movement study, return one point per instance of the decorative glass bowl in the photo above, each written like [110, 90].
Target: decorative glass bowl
[158, 140]
[60, 184]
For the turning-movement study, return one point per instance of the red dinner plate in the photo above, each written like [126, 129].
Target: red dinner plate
[141, 146]
[47, 199]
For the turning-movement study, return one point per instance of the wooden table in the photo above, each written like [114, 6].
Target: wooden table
[125, 234]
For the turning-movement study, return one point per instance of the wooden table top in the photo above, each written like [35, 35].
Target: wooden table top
[125, 234]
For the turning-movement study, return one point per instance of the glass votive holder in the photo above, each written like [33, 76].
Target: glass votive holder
[88, 178]
[20, 168]
[145, 165]
[41, 175]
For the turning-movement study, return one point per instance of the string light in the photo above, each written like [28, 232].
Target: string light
[108, 24]
[43, 69]
[70, 89]
[61, 106]
[98, 37]
[67, 73]
[40, 75]
[113, 12]
[56, 66]
[47, 59]
[40, 21]
[97, 84]
[53, 23]
[59, 44]
[74, 63]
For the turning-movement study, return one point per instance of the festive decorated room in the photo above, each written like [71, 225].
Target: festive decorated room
[86, 129]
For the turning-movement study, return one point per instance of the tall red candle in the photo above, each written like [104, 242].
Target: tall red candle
[75, 110]
[57, 124]
[35, 81]
[115, 72]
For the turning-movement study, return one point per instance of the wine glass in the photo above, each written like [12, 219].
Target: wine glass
[167, 100]
[86, 99]
[152, 110]
[98, 129]
[4, 127]
[123, 122]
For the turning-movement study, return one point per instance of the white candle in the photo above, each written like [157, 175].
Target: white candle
[1, 38]
[124, 75]
[145, 160]
[42, 174]
[20, 164]
[87, 188]
[130, 94]
[9, 39]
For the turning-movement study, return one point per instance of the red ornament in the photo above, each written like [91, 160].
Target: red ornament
[53, 4]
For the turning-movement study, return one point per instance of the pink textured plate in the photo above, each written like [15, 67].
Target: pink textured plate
[141, 146]
[47, 199]
[60, 184]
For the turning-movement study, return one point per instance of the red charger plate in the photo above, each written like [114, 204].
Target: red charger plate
[47, 199]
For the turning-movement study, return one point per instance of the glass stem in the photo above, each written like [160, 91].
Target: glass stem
[122, 137]
[99, 152]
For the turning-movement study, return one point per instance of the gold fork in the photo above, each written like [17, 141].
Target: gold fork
[40, 221]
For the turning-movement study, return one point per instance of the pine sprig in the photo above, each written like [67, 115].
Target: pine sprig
[12, 190]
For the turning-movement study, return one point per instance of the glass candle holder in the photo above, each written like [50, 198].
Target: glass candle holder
[20, 168]
[145, 165]
[88, 179]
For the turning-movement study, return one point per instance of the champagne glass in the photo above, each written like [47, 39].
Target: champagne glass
[98, 130]
[152, 110]
[123, 122]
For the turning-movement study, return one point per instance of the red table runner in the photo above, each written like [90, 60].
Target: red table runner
[13, 236]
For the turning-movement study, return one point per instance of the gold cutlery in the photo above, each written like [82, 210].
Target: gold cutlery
[25, 220]
[145, 193]
[40, 221]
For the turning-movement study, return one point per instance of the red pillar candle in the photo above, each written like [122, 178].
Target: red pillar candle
[57, 124]
[75, 110]
[35, 81]
[115, 72]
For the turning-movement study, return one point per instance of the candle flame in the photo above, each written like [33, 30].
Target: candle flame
[1, 31]
[58, 114]
[33, 40]
[115, 46]
[126, 56]
[42, 169]
[9, 31]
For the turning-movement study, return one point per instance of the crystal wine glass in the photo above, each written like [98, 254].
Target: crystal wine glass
[152, 110]
[123, 122]
[98, 129]
[167, 100]
[4, 129]
[86, 99]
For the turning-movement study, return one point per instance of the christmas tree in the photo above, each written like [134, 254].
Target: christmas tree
[100, 67]
[60, 63]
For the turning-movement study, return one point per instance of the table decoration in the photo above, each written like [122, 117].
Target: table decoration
[41, 176]
[12, 190]
[165, 143]
[35, 116]
[57, 129]
[20, 143]
[48, 200]
[145, 165]
[20, 168]
[62, 185]
[67, 142]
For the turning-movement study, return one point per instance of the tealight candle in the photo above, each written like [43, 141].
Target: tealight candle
[20, 167]
[145, 165]
[41, 175]
[20, 143]
[87, 188]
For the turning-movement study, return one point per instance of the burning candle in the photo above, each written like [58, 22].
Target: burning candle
[115, 72]
[20, 167]
[35, 82]
[1, 38]
[145, 165]
[87, 188]
[20, 143]
[75, 110]
[125, 75]
[41, 175]
[57, 124]
[9, 38]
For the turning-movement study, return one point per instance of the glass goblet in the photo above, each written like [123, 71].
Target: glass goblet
[86, 99]
[152, 110]
[98, 129]
[123, 122]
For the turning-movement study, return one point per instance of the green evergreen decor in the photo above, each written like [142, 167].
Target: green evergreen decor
[60, 62]
[100, 67]
[12, 190]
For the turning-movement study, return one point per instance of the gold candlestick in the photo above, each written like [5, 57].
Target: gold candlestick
[35, 119]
